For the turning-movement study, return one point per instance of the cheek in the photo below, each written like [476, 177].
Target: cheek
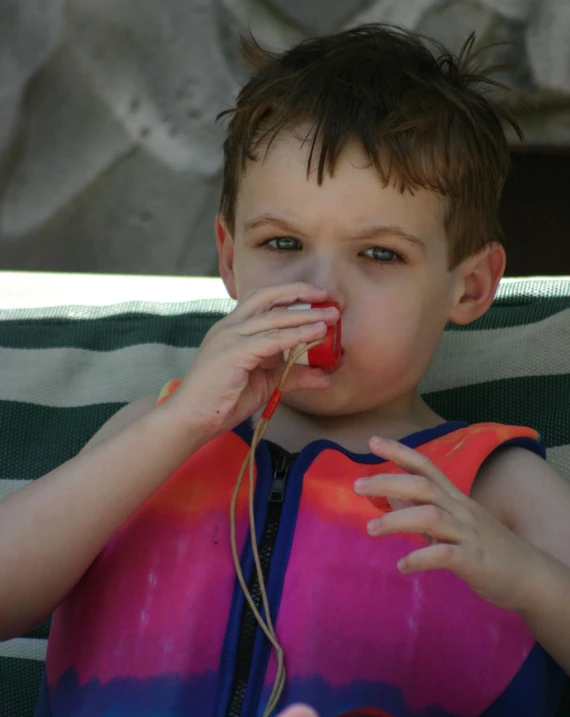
[397, 309]
[399, 323]
[249, 275]
[255, 269]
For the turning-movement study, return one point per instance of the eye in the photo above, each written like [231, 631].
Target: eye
[282, 244]
[382, 255]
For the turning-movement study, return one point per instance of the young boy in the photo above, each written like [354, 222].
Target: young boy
[359, 168]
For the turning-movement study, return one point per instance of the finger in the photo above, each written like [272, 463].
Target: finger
[298, 711]
[265, 298]
[411, 461]
[397, 504]
[252, 352]
[424, 519]
[442, 556]
[274, 341]
[404, 487]
[277, 320]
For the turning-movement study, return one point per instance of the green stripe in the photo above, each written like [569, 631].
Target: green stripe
[37, 439]
[107, 334]
[41, 630]
[516, 304]
[41, 438]
[20, 682]
[541, 402]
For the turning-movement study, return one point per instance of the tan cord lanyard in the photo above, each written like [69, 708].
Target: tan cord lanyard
[265, 625]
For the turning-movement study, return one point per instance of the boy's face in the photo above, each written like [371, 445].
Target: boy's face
[349, 236]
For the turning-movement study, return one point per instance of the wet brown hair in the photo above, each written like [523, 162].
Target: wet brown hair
[424, 118]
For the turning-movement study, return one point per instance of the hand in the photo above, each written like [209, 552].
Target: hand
[240, 361]
[462, 536]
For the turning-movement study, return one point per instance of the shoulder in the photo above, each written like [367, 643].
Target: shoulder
[121, 419]
[520, 488]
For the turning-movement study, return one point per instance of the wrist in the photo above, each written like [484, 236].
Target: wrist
[183, 425]
[538, 575]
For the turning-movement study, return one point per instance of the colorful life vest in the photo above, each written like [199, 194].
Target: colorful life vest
[158, 626]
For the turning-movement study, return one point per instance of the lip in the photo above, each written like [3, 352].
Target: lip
[329, 370]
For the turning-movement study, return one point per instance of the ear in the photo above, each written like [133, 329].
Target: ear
[225, 246]
[477, 280]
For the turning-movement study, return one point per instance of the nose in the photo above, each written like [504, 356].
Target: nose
[325, 271]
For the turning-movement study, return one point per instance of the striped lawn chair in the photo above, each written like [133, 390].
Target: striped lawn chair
[64, 371]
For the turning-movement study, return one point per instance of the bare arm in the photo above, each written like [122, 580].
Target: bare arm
[533, 499]
[51, 530]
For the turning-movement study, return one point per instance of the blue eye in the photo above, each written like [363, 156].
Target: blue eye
[283, 243]
[381, 255]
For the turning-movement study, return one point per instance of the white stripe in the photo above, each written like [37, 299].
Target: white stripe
[471, 357]
[78, 311]
[536, 282]
[8, 486]
[28, 648]
[22, 289]
[65, 377]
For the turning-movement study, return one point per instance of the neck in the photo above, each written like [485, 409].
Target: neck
[293, 429]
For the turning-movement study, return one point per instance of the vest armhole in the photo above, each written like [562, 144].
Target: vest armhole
[168, 389]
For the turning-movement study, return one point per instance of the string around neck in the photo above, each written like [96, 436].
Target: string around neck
[266, 624]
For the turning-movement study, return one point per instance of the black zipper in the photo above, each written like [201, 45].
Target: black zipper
[282, 463]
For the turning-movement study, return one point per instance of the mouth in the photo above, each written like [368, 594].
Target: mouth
[329, 370]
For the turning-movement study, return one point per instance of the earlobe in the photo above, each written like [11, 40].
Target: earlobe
[478, 278]
[225, 246]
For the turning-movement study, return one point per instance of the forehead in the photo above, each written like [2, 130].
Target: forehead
[277, 182]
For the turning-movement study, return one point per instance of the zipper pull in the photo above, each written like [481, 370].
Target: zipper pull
[282, 467]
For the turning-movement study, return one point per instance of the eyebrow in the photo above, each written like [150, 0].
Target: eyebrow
[371, 232]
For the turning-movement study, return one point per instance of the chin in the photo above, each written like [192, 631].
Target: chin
[327, 403]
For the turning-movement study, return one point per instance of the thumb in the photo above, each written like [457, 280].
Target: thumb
[302, 377]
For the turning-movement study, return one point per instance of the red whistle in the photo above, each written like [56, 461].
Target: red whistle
[327, 354]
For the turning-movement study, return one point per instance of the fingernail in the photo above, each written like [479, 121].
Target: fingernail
[360, 484]
[331, 309]
[373, 525]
